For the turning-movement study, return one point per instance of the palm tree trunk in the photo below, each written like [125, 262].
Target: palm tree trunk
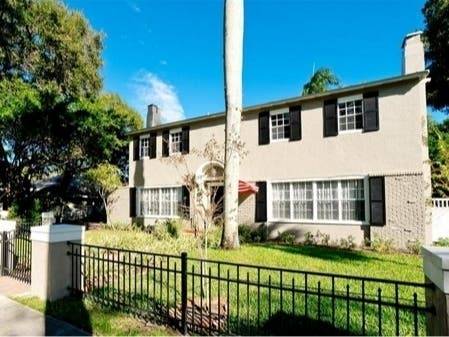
[233, 59]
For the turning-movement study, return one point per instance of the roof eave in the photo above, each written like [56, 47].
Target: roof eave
[293, 100]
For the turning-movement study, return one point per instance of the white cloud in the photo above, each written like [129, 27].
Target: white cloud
[150, 89]
[134, 7]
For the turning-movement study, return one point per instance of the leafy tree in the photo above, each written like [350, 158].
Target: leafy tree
[105, 180]
[233, 60]
[44, 43]
[54, 120]
[321, 81]
[436, 35]
[438, 142]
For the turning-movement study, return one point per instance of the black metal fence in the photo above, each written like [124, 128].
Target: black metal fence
[214, 297]
[15, 254]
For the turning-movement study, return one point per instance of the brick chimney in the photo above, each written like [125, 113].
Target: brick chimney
[413, 53]
[153, 116]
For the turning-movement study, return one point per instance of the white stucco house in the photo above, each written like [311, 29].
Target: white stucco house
[350, 161]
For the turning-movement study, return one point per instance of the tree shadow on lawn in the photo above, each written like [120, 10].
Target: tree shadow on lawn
[325, 253]
[284, 324]
[333, 253]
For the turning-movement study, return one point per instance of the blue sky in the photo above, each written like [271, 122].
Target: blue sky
[169, 52]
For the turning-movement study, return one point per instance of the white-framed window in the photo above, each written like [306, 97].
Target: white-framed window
[327, 200]
[175, 141]
[281, 200]
[159, 201]
[279, 124]
[302, 200]
[320, 201]
[350, 113]
[144, 146]
[352, 199]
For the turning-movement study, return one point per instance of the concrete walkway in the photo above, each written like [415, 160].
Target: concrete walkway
[19, 320]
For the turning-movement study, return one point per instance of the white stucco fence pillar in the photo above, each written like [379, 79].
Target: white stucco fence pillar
[436, 270]
[51, 266]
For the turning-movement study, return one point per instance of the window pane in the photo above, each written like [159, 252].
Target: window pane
[327, 200]
[175, 142]
[280, 126]
[281, 200]
[165, 201]
[351, 115]
[302, 201]
[353, 203]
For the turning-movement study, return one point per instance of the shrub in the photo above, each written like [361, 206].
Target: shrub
[348, 243]
[287, 238]
[173, 228]
[442, 242]
[119, 226]
[414, 246]
[322, 238]
[248, 234]
[382, 245]
[260, 234]
[244, 234]
[309, 239]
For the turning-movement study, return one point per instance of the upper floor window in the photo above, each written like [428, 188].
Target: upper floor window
[144, 147]
[350, 113]
[175, 141]
[357, 112]
[280, 124]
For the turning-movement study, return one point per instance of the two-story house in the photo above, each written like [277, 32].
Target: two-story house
[350, 161]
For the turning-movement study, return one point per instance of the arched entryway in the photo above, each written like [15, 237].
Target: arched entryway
[210, 192]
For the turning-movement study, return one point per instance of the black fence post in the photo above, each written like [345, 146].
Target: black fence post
[4, 253]
[184, 293]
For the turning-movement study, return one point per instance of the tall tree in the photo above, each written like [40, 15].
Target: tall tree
[53, 118]
[322, 80]
[436, 37]
[233, 60]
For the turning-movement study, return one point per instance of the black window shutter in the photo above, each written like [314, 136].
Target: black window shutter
[136, 148]
[185, 210]
[132, 202]
[330, 119]
[295, 123]
[264, 127]
[377, 200]
[165, 143]
[153, 137]
[261, 201]
[370, 111]
[185, 140]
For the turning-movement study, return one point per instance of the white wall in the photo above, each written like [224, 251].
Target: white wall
[440, 219]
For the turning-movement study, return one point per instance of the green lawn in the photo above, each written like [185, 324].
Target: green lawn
[283, 300]
[312, 258]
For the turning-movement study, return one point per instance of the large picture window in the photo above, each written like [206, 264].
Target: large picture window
[160, 201]
[319, 201]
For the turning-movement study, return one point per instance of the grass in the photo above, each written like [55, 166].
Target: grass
[396, 266]
[260, 310]
[95, 319]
